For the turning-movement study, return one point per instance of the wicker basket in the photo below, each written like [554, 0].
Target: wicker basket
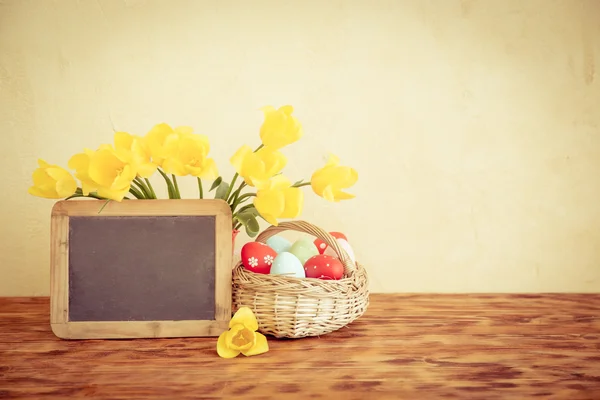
[288, 307]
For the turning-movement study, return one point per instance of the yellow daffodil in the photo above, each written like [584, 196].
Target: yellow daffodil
[52, 182]
[279, 128]
[155, 140]
[276, 198]
[138, 151]
[242, 336]
[329, 181]
[259, 166]
[186, 153]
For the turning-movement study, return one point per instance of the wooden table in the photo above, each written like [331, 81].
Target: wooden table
[405, 347]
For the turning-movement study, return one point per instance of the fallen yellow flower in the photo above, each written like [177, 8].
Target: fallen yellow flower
[329, 181]
[242, 336]
[52, 181]
[257, 166]
[279, 128]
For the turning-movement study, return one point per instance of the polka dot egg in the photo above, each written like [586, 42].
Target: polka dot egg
[324, 267]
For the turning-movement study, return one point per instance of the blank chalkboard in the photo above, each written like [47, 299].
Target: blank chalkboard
[140, 268]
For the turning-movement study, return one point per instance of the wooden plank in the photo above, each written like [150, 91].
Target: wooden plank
[465, 348]
[138, 329]
[59, 269]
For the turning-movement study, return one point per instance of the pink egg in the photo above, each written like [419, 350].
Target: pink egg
[345, 246]
[258, 257]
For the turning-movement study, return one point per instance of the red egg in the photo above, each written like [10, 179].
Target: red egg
[322, 246]
[258, 257]
[324, 267]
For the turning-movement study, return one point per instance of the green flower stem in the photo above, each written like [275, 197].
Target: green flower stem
[237, 193]
[150, 188]
[302, 184]
[136, 193]
[200, 190]
[241, 199]
[170, 187]
[176, 186]
[237, 226]
[231, 187]
[142, 188]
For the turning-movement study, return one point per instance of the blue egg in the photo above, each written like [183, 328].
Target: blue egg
[279, 244]
[287, 264]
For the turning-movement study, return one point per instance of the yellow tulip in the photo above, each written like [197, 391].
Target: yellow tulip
[186, 153]
[242, 336]
[259, 166]
[52, 182]
[108, 171]
[155, 140]
[276, 198]
[138, 151]
[279, 128]
[329, 181]
[81, 164]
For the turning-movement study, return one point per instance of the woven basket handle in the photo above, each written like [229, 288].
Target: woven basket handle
[305, 227]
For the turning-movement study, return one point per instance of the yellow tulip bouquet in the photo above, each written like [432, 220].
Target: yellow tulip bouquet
[114, 171]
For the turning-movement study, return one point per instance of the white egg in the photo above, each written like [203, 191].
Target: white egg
[345, 246]
[287, 264]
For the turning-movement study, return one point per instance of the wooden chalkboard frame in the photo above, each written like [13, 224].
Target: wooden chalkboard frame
[59, 269]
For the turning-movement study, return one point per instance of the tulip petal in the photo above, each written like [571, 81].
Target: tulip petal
[245, 317]
[79, 161]
[237, 160]
[261, 346]
[294, 198]
[270, 204]
[210, 170]
[288, 110]
[116, 195]
[223, 350]
[35, 191]
[66, 187]
[123, 140]
[240, 338]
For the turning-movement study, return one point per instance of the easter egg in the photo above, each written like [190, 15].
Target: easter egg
[322, 246]
[304, 249]
[287, 264]
[257, 257]
[345, 246]
[279, 244]
[323, 266]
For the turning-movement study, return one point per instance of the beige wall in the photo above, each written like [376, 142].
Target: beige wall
[474, 125]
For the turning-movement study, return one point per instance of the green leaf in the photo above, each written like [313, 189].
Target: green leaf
[249, 209]
[299, 182]
[222, 191]
[248, 219]
[216, 183]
